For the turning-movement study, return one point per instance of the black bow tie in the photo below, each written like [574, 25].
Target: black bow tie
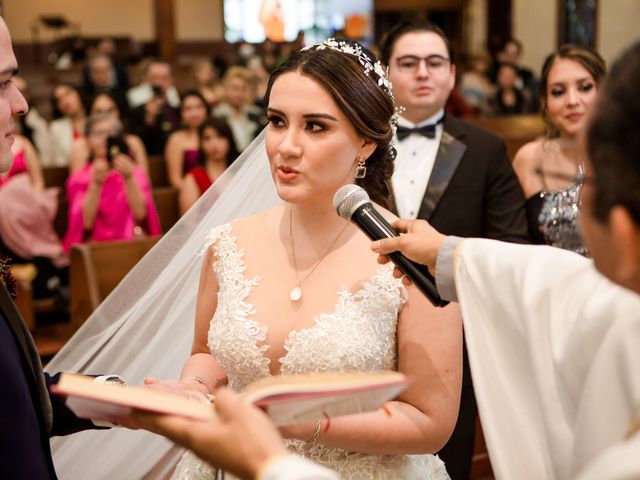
[428, 131]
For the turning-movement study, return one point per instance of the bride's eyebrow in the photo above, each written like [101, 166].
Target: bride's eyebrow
[326, 116]
[306, 116]
[276, 111]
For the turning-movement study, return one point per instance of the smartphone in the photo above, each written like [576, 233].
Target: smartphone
[157, 91]
[115, 146]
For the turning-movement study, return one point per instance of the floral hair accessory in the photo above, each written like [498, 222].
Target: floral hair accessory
[352, 48]
[6, 278]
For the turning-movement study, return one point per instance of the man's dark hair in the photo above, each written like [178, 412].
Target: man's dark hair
[613, 139]
[411, 26]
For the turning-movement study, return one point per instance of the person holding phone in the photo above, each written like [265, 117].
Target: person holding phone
[109, 197]
[154, 107]
[107, 104]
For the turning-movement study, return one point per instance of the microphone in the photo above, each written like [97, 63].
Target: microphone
[352, 203]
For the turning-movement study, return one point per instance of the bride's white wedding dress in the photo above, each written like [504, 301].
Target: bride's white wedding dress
[360, 335]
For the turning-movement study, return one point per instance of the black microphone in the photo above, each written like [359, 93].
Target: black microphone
[352, 203]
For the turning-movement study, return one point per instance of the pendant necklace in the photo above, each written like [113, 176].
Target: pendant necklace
[296, 292]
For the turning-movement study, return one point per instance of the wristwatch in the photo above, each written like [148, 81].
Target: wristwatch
[112, 379]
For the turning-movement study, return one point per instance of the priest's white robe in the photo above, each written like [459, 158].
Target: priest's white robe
[554, 349]
[618, 462]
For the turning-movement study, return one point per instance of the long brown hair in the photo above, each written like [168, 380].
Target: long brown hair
[367, 106]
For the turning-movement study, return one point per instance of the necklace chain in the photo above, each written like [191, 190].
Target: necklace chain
[296, 292]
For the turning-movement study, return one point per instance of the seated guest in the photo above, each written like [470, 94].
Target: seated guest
[106, 104]
[101, 77]
[109, 197]
[475, 86]
[237, 109]
[33, 125]
[154, 115]
[217, 151]
[106, 46]
[205, 80]
[511, 52]
[181, 152]
[68, 122]
[550, 169]
[508, 99]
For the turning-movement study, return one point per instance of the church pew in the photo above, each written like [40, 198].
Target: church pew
[166, 201]
[158, 171]
[97, 268]
[55, 176]
[515, 130]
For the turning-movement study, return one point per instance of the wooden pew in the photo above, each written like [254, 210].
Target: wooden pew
[166, 201]
[55, 176]
[96, 269]
[158, 171]
[515, 130]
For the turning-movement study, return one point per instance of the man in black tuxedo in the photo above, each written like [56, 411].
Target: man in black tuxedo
[454, 175]
[28, 416]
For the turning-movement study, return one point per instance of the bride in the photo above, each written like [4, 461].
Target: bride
[296, 289]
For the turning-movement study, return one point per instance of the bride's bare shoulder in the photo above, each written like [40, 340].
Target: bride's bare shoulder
[253, 224]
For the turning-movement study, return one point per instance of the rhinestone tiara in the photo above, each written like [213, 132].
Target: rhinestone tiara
[356, 50]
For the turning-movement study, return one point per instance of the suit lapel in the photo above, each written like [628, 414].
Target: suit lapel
[448, 158]
[17, 326]
[29, 353]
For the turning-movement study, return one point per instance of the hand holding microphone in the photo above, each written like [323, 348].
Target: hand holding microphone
[352, 203]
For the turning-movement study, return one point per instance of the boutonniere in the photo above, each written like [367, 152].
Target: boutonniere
[6, 278]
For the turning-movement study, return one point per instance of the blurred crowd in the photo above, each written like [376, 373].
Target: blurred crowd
[103, 129]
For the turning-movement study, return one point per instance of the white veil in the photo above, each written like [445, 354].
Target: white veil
[145, 327]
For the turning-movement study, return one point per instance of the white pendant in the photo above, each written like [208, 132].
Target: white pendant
[295, 294]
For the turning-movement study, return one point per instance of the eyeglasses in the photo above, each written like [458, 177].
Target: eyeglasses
[435, 64]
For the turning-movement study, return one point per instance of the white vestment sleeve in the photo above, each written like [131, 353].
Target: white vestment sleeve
[552, 345]
[290, 467]
[620, 462]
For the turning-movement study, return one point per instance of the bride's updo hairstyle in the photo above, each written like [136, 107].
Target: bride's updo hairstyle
[359, 87]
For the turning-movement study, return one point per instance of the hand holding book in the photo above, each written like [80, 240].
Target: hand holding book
[286, 399]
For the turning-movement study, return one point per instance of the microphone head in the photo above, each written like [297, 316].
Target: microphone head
[348, 198]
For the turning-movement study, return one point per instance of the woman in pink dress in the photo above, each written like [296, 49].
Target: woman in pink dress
[110, 197]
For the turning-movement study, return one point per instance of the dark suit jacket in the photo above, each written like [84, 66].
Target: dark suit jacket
[52, 417]
[154, 136]
[473, 190]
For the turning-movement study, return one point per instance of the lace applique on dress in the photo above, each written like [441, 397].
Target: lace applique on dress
[359, 335]
[233, 336]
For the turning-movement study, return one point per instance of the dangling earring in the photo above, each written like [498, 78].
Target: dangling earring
[361, 169]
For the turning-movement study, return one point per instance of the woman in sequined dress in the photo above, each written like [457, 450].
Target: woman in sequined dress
[549, 168]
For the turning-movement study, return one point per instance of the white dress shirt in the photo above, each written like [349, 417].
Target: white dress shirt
[413, 165]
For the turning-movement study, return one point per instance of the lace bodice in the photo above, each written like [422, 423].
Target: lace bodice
[359, 335]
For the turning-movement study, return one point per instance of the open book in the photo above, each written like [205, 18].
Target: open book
[286, 399]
